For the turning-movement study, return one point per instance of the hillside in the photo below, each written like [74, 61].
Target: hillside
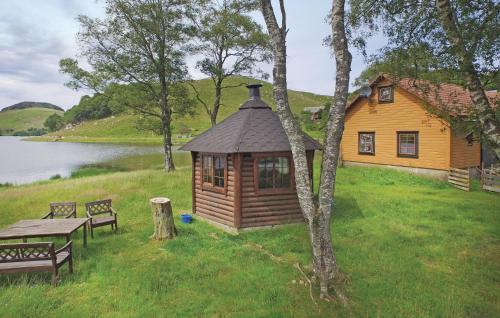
[123, 128]
[25, 105]
[16, 120]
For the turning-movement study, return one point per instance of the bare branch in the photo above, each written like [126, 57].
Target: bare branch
[198, 98]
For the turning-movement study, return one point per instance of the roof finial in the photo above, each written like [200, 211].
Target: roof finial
[254, 91]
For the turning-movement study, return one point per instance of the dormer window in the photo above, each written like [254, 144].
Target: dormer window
[385, 94]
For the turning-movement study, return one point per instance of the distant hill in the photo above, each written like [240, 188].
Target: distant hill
[25, 105]
[122, 128]
[17, 120]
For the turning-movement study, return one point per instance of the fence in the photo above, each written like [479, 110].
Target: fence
[459, 178]
[490, 179]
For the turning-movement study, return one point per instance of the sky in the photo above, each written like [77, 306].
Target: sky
[35, 35]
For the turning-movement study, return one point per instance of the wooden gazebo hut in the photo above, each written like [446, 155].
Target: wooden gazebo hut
[243, 172]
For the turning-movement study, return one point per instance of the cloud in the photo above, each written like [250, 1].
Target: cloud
[35, 35]
[33, 38]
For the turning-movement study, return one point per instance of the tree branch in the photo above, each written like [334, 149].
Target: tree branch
[198, 98]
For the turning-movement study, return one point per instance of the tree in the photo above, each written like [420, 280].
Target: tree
[317, 212]
[54, 122]
[466, 58]
[89, 108]
[133, 97]
[417, 62]
[140, 42]
[461, 35]
[232, 43]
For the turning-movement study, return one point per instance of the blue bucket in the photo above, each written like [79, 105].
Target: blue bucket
[186, 218]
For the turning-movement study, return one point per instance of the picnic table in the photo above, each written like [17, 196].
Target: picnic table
[25, 229]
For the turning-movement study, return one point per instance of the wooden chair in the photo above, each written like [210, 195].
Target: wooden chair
[98, 208]
[35, 257]
[61, 209]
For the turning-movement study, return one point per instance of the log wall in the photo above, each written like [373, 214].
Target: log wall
[259, 209]
[217, 207]
[243, 206]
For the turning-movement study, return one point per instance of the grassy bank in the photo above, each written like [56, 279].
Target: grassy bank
[22, 119]
[147, 141]
[123, 128]
[412, 247]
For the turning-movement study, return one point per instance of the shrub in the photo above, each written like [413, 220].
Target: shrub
[31, 132]
[54, 122]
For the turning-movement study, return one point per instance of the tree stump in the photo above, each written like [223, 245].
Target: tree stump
[163, 219]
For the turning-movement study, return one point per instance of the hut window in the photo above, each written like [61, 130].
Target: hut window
[366, 143]
[214, 171]
[207, 169]
[408, 144]
[219, 172]
[274, 173]
[385, 94]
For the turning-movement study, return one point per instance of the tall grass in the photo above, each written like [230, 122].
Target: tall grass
[411, 247]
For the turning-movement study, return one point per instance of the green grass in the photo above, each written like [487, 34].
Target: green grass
[412, 247]
[123, 128]
[22, 119]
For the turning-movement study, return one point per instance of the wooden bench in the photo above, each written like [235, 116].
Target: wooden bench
[35, 257]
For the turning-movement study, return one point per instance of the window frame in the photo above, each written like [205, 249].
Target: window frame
[359, 143]
[257, 157]
[392, 94]
[469, 138]
[403, 155]
[210, 186]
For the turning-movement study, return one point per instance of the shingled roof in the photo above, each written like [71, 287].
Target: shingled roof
[448, 98]
[255, 127]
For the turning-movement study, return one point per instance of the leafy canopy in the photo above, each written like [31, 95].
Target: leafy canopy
[230, 41]
[418, 45]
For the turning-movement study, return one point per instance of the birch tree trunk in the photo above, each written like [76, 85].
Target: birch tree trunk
[166, 122]
[317, 214]
[482, 107]
[331, 146]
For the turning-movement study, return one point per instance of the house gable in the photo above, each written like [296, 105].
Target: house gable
[405, 113]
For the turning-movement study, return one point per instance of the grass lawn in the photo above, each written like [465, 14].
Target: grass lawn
[412, 247]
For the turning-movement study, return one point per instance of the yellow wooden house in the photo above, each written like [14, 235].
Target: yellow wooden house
[402, 124]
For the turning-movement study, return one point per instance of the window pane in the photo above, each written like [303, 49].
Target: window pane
[207, 169]
[281, 173]
[385, 94]
[219, 172]
[366, 143]
[274, 172]
[265, 173]
[408, 144]
[219, 182]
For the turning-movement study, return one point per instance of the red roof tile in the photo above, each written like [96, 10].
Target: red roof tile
[449, 98]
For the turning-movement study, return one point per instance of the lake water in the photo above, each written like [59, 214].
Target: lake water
[28, 161]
